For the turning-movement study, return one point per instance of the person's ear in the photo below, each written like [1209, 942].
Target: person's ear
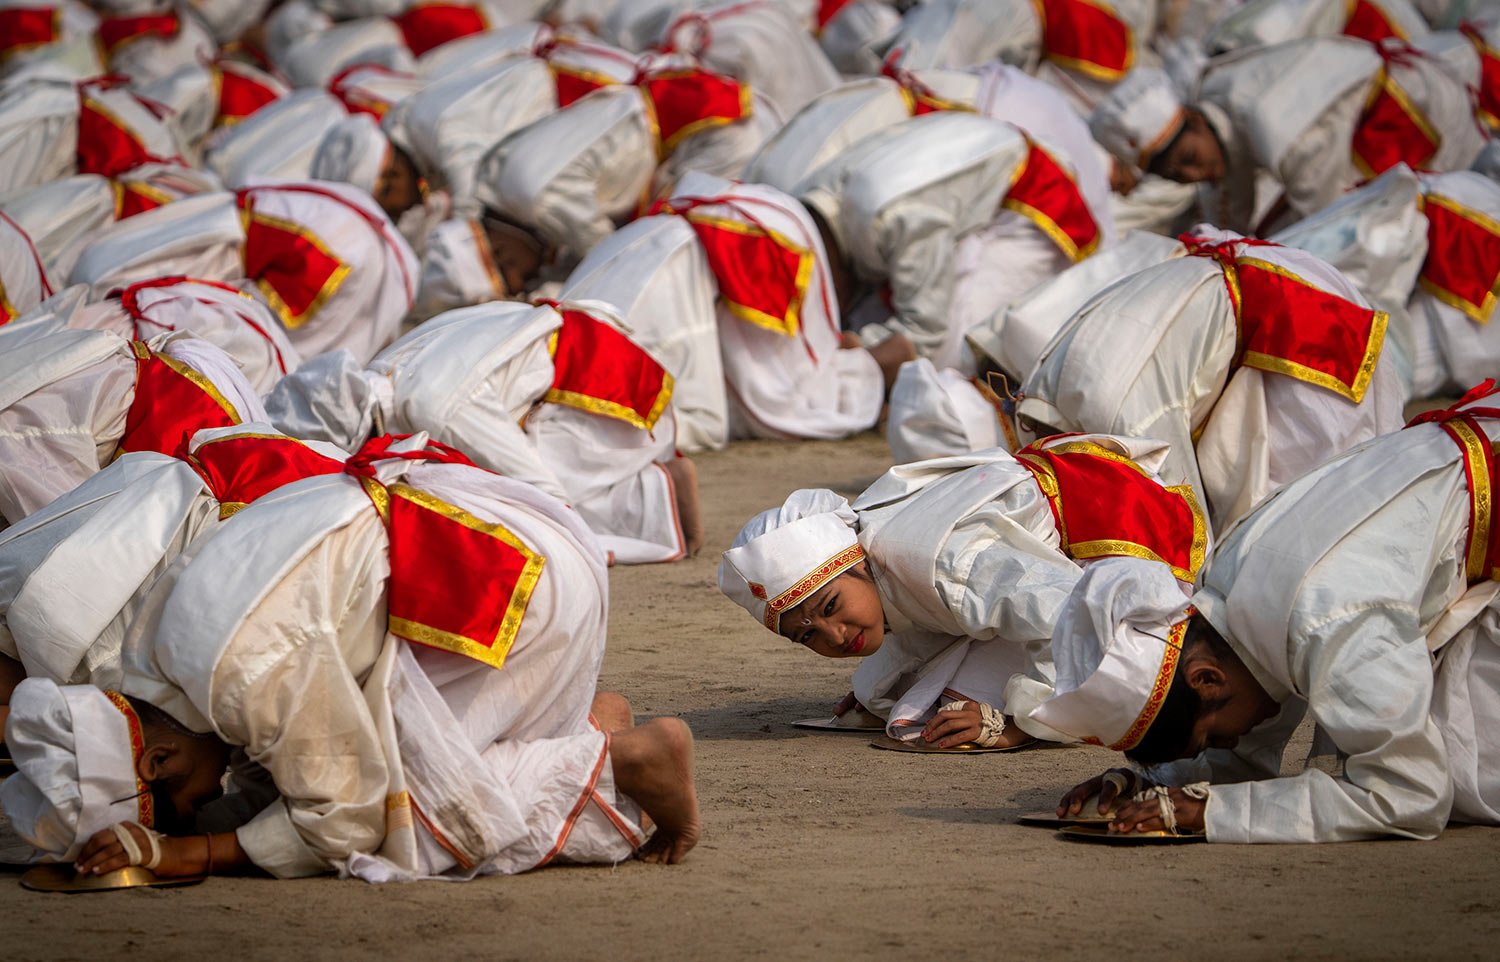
[161, 759]
[1206, 677]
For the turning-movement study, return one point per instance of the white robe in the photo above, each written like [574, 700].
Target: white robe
[1151, 355]
[654, 275]
[1332, 593]
[63, 402]
[73, 576]
[449, 124]
[806, 386]
[1453, 351]
[918, 206]
[61, 216]
[1291, 110]
[965, 554]
[471, 378]
[431, 764]
[759, 43]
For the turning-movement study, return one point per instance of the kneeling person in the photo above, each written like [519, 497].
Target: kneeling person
[1329, 599]
[406, 652]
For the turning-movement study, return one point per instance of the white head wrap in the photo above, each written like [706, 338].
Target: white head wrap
[1139, 116]
[1116, 647]
[75, 756]
[784, 554]
[352, 151]
[458, 269]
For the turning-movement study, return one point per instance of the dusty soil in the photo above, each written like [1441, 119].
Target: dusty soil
[816, 846]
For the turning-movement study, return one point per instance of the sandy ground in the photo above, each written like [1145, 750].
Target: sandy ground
[816, 846]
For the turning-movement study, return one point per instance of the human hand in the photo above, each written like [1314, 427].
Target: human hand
[955, 726]
[1146, 815]
[1108, 787]
[106, 852]
[847, 703]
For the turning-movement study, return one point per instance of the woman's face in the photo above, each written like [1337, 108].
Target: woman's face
[842, 619]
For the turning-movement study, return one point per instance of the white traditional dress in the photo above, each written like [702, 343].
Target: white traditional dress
[758, 42]
[1261, 23]
[573, 175]
[59, 217]
[278, 140]
[553, 396]
[958, 215]
[225, 316]
[51, 128]
[23, 274]
[1454, 300]
[971, 561]
[654, 274]
[1362, 595]
[447, 651]
[1247, 399]
[73, 576]
[788, 374]
[71, 401]
[1322, 115]
[322, 256]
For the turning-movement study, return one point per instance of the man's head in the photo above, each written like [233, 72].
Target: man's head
[356, 151]
[1194, 155]
[800, 571]
[1140, 671]
[517, 252]
[842, 619]
[87, 759]
[1145, 125]
[398, 186]
[183, 769]
[1213, 701]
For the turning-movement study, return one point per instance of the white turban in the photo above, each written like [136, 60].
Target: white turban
[76, 748]
[458, 269]
[329, 398]
[1116, 647]
[1138, 117]
[352, 151]
[785, 554]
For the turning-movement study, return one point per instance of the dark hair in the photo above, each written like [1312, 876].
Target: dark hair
[1167, 738]
[153, 717]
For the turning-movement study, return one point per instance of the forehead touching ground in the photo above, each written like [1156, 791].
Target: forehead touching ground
[807, 836]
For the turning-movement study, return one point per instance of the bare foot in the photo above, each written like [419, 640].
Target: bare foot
[685, 482]
[653, 764]
[612, 711]
[890, 354]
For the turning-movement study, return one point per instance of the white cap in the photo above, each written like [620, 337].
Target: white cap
[352, 151]
[76, 748]
[785, 554]
[1116, 646]
[458, 269]
[1138, 117]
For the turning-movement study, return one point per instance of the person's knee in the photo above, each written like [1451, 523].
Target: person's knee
[612, 711]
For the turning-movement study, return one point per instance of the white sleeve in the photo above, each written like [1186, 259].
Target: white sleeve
[1369, 678]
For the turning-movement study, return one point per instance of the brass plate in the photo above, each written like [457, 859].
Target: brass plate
[916, 746]
[1051, 820]
[837, 725]
[60, 877]
[1102, 836]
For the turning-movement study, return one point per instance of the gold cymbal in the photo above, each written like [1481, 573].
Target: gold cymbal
[60, 877]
